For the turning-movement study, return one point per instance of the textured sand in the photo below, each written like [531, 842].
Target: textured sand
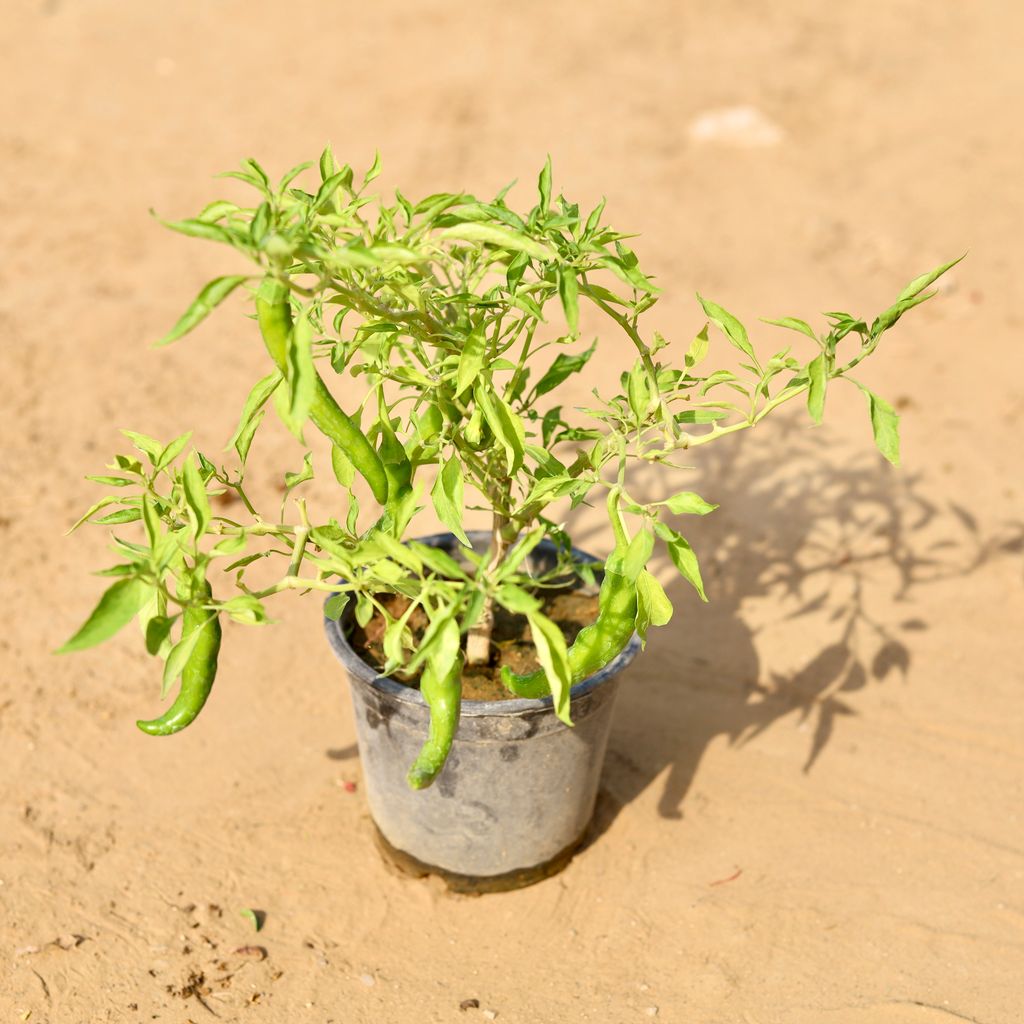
[811, 810]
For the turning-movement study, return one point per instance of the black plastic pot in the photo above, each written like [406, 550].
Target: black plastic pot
[517, 793]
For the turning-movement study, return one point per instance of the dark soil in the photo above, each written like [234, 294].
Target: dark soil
[511, 641]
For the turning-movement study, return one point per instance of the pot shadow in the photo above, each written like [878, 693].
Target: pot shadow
[814, 534]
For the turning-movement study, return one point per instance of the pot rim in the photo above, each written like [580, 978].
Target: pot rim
[355, 665]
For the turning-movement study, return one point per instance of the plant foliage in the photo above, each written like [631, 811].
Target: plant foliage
[444, 326]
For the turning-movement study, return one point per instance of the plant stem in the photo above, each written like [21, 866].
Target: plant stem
[478, 640]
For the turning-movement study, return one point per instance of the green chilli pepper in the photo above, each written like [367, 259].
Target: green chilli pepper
[443, 695]
[200, 669]
[599, 643]
[274, 315]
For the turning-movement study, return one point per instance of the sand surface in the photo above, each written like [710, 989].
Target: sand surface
[812, 806]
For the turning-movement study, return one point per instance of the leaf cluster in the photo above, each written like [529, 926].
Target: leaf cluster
[446, 326]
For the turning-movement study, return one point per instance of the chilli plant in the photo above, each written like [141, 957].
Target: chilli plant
[446, 325]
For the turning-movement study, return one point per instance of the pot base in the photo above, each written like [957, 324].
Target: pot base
[472, 885]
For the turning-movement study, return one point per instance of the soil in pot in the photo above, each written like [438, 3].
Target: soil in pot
[511, 641]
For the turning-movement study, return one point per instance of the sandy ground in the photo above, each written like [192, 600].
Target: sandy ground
[811, 810]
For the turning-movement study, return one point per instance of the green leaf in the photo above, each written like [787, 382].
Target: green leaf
[653, 608]
[729, 326]
[568, 292]
[550, 423]
[241, 439]
[149, 446]
[292, 480]
[344, 471]
[230, 545]
[201, 227]
[437, 560]
[682, 556]
[517, 600]
[116, 608]
[887, 319]
[328, 165]
[257, 172]
[595, 218]
[246, 609]
[515, 270]
[394, 549]
[631, 274]
[151, 517]
[563, 366]
[521, 551]
[243, 442]
[554, 659]
[885, 424]
[327, 189]
[374, 171]
[283, 407]
[364, 610]
[447, 496]
[195, 496]
[920, 283]
[698, 348]
[689, 503]
[335, 605]
[636, 556]
[302, 376]
[293, 174]
[173, 450]
[176, 659]
[158, 629]
[124, 515]
[253, 918]
[502, 238]
[507, 426]
[817, 375]
[700, 415]
[638, 390]
[212, 295]
[445, 648]
[544, 186]
[112, 481]
[471, 361]
[793, 324]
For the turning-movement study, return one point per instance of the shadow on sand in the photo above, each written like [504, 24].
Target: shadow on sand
[815, 539]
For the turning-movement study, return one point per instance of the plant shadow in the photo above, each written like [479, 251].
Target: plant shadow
[819, 546]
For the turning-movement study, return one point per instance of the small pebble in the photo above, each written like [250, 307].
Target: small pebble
[489, 1014]
[742, 126]
[368, 980]
[651, 1011]
[469, 1004]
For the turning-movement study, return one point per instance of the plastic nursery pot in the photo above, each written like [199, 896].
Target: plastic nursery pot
[517, 793]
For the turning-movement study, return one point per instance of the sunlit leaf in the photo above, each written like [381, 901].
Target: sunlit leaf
[885, 424]
[212, 295]
[563, 367]
[817, 375]
[682, 556]
[729, 326]
[195, 496]
[447, 496]
[116, 608]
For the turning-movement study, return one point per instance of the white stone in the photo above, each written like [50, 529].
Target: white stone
[744, 126]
